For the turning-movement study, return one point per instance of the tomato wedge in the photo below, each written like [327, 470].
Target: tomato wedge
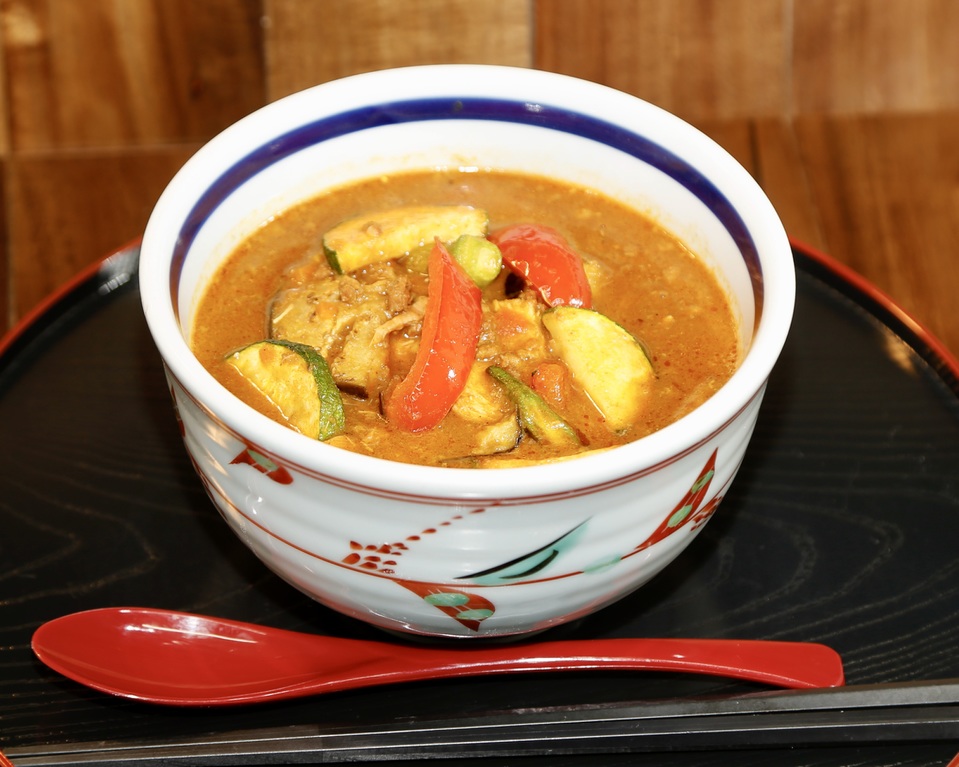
[451, 327]
[543, 258]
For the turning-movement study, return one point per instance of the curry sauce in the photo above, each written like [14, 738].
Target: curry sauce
[280, 283]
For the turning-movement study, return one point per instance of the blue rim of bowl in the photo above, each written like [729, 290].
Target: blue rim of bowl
[497, 110]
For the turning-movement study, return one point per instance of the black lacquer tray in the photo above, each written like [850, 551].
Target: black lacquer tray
[842, 528]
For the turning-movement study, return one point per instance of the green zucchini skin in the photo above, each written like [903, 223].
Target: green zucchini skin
[372, 238]
[299, 383]
[535, 415]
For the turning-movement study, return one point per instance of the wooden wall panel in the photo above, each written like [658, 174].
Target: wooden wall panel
[769, 149]
[870, 57]
[701, 59]
[4, 97]
[780, 171]
[128, 72]
[312, 41]
[7, 314]
[887, 192]
[66, 211]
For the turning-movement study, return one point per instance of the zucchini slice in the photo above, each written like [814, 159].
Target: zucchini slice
[535, 415]
[370, 238]
[604, 359]
[297, 380]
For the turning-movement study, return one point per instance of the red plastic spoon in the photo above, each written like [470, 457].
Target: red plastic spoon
[192, 660]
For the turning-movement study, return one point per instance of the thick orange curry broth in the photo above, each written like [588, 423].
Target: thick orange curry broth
[650, 283]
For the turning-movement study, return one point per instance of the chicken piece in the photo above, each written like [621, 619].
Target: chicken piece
[404, 319]
[340, 316]
[499, 437]
[513, 330]
[482, 400]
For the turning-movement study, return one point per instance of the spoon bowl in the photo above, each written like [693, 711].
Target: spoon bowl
[183, 659]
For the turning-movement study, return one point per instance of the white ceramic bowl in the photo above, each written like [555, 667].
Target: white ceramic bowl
[459, 552]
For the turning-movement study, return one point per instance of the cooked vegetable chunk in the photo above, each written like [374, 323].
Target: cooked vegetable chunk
[605, 359]
[535, 416]
[370, 238]
[544, 259]
[479, 257]
[297, 381]
[447, 347]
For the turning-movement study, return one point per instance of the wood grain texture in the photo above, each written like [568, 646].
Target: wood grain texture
[705, 59]
[779, 168]
[886, 191]
[7, 316]
[312, 41]
[861, 56]
[5, 115]
[67, 211]
[879, 193]
[698, 58]
[769, 149]
[128, 72]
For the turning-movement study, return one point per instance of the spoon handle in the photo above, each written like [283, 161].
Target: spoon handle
[793, 665]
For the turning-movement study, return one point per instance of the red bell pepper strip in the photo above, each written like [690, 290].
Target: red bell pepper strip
[543, 258]
[451, 327]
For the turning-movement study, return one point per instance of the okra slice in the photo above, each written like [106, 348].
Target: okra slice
[535, 415]
[374, 237]
[479, 257]
[297, 380]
